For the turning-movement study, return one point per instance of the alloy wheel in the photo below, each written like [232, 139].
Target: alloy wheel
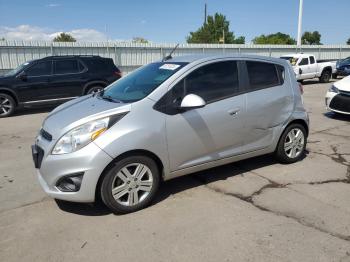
[294, 143]
[5, 105]
[132, 184]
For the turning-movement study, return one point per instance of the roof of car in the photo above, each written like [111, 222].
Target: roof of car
[204, 58]
[71, 56]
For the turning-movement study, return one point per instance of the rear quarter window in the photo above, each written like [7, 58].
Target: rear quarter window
[263, 75]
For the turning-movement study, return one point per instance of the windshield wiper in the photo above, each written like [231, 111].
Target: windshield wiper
[111, 99]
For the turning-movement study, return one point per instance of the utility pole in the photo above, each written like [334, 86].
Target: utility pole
[205, 13]
[300, 22]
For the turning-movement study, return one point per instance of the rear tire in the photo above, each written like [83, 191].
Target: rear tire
[94, 89]
[130, 185]
[325, 76]
[292, 144]
[7, 105]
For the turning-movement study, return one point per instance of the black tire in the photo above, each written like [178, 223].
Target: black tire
[94, 89]
[335, 76]
[7, 105]
[281, 153]
[325, 76]
[111, 176]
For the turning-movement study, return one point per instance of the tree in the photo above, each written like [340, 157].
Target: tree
[215, 30]
[2, 39]
[348, 42]
[63, 37]
[274, 39]
[311, 38]
[138, 39]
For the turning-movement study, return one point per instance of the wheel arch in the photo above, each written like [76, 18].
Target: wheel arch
[327, 68]
[135, 152]
[11, 93]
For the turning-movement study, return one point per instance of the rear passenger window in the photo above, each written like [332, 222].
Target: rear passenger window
[304, 61]
[312, 60]
[263, 75]
[211, 82]
[66, 67]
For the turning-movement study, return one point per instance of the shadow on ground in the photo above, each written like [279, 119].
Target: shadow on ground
[177, 185]
[337, 116]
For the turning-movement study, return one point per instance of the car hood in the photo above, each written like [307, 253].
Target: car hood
[344, 84]
[79, 111]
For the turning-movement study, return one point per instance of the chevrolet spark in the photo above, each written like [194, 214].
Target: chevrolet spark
[168, 119]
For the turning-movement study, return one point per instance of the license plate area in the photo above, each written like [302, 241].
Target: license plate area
[38, 155]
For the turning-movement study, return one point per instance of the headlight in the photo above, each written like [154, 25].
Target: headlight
[83, 135]
[333, 89]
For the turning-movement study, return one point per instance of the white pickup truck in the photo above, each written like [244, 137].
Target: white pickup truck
[306, 67]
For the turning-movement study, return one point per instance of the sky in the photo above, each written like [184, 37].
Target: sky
[165, 21]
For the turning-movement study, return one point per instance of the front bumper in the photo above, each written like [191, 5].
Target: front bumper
[338, 102]
[90, 160]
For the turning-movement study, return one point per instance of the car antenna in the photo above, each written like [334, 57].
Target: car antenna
[165, 58]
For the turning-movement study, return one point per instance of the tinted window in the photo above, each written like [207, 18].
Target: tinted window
[40, 69]
[262, 75]
[66, 67]
[312, 60]
[304, 61]
[211, 82]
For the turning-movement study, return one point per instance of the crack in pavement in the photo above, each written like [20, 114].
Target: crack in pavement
[249, 200]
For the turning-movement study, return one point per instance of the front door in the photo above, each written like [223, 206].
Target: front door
[213, 132]
[34, 86]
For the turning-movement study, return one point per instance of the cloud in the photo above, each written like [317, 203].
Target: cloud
[34, 33]
[53, 5]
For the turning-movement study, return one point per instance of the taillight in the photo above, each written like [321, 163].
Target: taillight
[118, 73]
[301, 88]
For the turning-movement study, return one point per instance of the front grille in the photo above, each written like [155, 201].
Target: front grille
[45, 135]
[341, 102]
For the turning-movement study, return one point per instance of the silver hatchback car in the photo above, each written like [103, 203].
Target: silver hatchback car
[168, 119]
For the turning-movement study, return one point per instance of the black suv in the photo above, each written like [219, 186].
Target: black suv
[54, 79]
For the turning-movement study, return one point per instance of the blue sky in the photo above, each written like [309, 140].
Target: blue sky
[169, 21]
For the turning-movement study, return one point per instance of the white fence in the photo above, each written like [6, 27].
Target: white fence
[128, 56]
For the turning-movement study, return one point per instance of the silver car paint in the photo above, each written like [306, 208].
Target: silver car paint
[184, 143]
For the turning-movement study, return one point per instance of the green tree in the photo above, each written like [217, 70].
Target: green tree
[2, 39]
[138, 39]
[215, 30]
[311, 38]
[63, 37]
[348, 42]
[274, 39]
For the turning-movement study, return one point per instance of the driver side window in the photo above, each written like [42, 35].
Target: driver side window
[211, 82]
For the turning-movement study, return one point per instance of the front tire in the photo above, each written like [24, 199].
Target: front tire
[131, 184]
[7, 105]
[292, 144]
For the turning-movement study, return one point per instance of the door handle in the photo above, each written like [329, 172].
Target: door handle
[234, 112]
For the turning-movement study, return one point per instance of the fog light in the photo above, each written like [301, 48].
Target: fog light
[70, 183]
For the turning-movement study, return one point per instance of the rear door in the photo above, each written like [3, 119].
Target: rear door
[68, 79]
[34, 87]
[213, 132]
[269, 103]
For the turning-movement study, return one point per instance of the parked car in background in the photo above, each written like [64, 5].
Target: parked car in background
[54, 79]
[306, 66]
[338, 96]
[343, 67]
[168, 119]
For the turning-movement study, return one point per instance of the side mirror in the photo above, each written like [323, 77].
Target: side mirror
[192, 101]
[22, 76]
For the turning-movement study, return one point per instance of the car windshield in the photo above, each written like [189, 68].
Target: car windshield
[292, 60]
[346, 61]
[140, 83]
[17, 69]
